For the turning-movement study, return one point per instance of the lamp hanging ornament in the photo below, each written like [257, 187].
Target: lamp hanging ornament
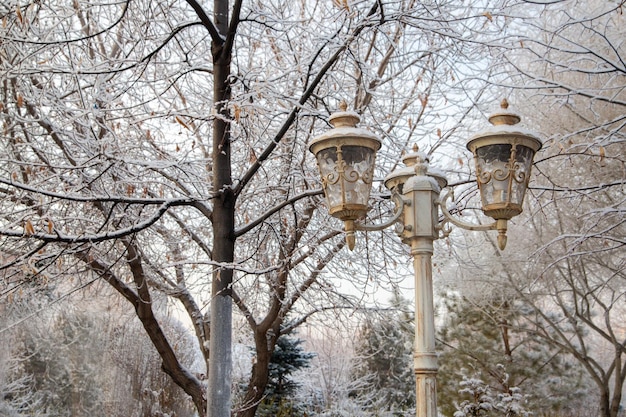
[345, 157]
[504, 155]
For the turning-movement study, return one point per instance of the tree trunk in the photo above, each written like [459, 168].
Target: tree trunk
[610, 405]
[604, 403]
[223, 222]
[142, 302]
[618, 385]
[264, 345]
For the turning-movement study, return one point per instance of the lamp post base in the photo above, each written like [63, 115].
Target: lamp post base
[426, 395]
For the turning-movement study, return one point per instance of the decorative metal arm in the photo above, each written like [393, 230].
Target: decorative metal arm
[500, 225]
[443, 203]
[350, 226]
[399, 203]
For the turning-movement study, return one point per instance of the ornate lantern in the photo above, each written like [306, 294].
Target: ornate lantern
[345, 157]
[504, 155]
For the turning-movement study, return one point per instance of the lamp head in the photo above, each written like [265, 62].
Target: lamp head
[504, 155]
[346, 156]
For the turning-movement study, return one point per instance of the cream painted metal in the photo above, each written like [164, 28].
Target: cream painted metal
[421, 193]
[503, 155]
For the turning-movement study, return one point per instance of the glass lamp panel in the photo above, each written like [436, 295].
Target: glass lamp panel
[503, 173]
[492, 164]
[347, 173]
[327, 162]
[358, 173]
[521, 172]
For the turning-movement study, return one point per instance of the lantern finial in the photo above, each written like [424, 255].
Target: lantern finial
[504, 116]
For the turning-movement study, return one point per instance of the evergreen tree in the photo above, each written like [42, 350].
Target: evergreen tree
[287, 358]
[481, 401]
[63, 359]
[384, 355]
[70, 362]
[484, 342]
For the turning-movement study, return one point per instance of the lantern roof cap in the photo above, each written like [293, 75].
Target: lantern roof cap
[344, 118]
[345, 130]
[505, 123]
[417, 163]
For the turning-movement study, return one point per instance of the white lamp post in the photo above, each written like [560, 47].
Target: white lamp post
[345, 157]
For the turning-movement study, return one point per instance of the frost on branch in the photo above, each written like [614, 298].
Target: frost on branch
[485, 401]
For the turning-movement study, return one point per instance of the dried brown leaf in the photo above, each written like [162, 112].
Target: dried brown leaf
[28, 228]
[182, 123]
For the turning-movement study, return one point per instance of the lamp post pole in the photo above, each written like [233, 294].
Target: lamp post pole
[420, 193]
[345, 156]
[424, 355]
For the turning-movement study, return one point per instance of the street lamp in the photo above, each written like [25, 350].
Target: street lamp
[504, 155]
[345, 156]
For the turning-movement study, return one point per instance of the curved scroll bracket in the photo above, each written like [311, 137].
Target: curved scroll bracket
[399, 203]
[499, 225]
[350, 226]
[449, 217]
